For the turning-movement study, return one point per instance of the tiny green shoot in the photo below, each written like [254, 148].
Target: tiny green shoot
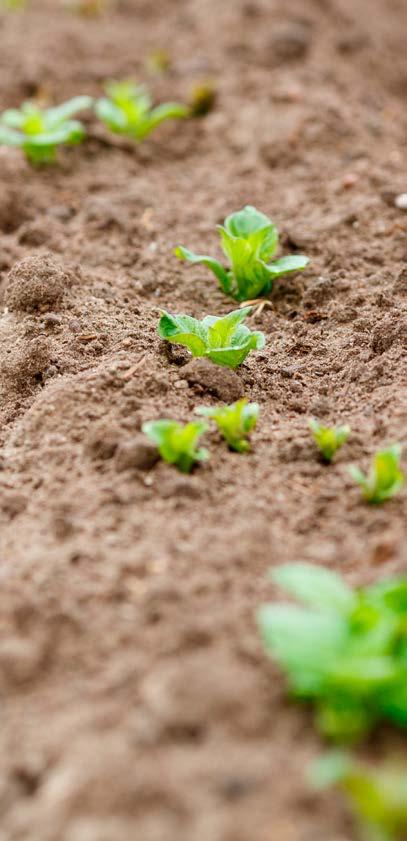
[202, 98]
[39, 132]
[177, 443]
[328, 439]
[127, 109]
[13, 5]
[235, 422]
[224, 340]
[249, 239]
[385, 477]
[377, 795]
[345, 650]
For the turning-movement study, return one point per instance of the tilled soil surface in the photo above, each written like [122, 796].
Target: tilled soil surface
[136, 699]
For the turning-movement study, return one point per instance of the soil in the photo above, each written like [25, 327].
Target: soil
[136, 699]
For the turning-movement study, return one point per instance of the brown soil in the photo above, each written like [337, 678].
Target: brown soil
[136, 699]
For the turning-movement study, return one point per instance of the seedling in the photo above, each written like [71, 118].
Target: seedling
[249, 239]
[346, 650]
[378, 796]
[385, 477]
[12, 5]
[235, 422]
[328, 438]
[177, 443]
[127, 110]
[224, 340]
[39, 132]
[202, 98]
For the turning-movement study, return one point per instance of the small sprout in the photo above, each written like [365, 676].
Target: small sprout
[39, 132]
[235, 422]
[342, 649]
[385, 477]
[249, 239]
[378, 796]
[202, 99]
[328, 439]
[177, 442]
[224, 340]
[127, 110]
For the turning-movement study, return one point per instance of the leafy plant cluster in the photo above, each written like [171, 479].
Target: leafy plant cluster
[126, 109]
[345, 652]
[178, 443]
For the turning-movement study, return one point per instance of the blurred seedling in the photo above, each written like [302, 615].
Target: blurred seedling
[344, 650]
[328, 439]
[235, 422]
[39, 131]
[224, 340]
[385, 477]
[178, 443]
[127, 110]
[249, 239]
[377, 796]
[202, 98]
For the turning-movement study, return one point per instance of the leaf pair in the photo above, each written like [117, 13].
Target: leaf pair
[385, 477]
[249, 239]
[328, 439]
[127, 109]
[178, 443]
[345, 650]
[40, 131]
[224, 340]
[235, 422]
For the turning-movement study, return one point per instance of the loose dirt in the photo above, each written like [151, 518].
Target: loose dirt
[136, 700]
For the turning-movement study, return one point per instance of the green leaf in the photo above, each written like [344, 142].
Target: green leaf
[223, 340]
[328, 439]
[53, 117]
[315, 586]
[177, 443]
[385, 477]
[212, 264]
[292, 263]
[8, 137]
[235, 422]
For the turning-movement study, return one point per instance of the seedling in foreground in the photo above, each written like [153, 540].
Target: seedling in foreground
[127, 110]
[249, 239]
[224, 340]
[378, 796]
[235, 422]
[178, 443]
[39, 132]
[345, 650]
[385, 477]
[328, 438]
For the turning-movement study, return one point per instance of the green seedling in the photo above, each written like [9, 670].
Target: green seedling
[12, 5]
[385, 477]
[345, 650]
[224, 340]
[177, 443]
[127, 110]
[202, 99]
[378, 796]
[39, 132]
[328, 439]
[235, 422]
[249, 239]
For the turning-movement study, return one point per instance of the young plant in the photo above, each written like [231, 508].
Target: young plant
[178, 443]
[224, 340]
[127, 110]
[249, 239]
[39, 132]
[235, 422]
[345, 650]
[378, 796]
[328, 438]
[12, 5]
[385, 477]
